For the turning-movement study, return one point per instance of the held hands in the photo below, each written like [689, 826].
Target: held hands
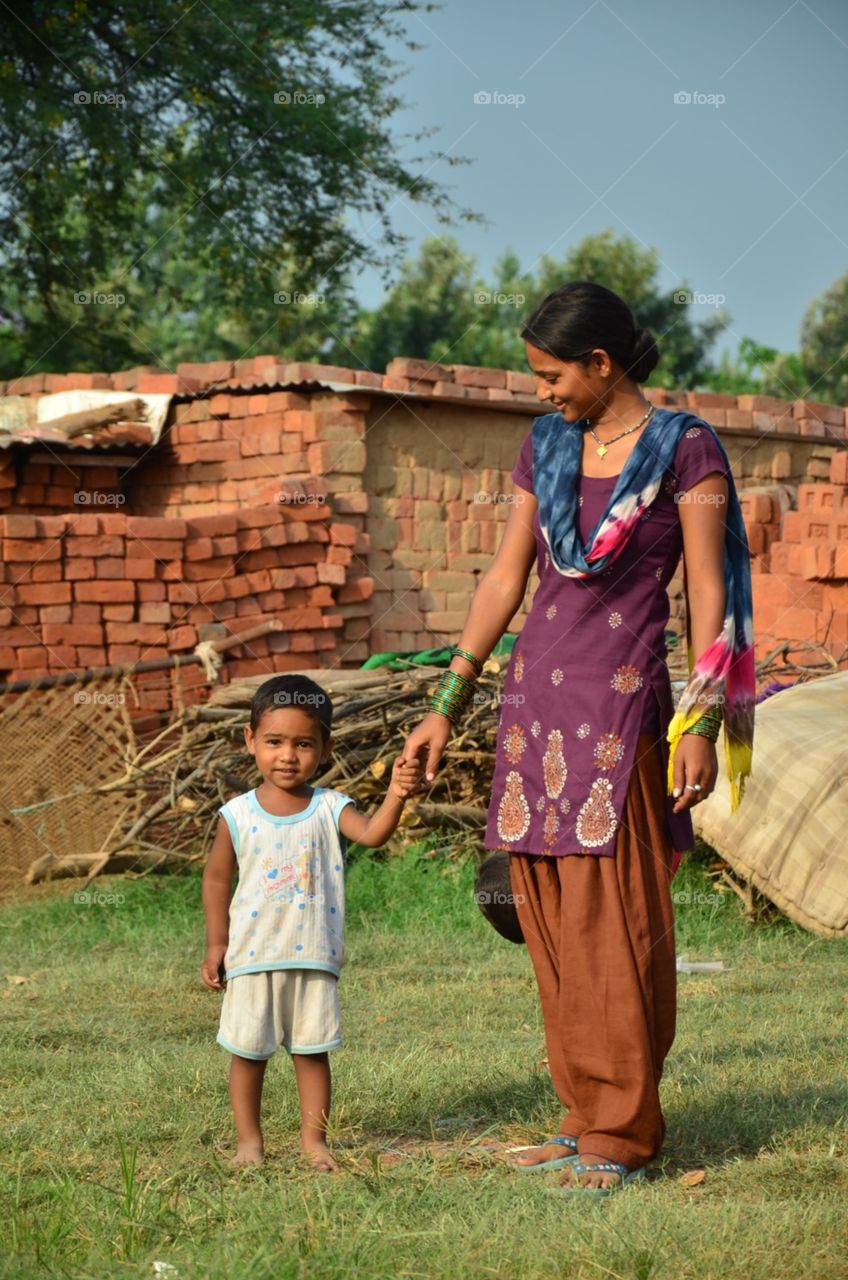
[695, 764]
[212, 969]
[406, 776]
[426, 744]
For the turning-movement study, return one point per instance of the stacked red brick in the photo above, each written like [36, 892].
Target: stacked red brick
[804, 596]
[96, 590]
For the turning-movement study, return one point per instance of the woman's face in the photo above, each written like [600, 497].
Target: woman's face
[575, 390]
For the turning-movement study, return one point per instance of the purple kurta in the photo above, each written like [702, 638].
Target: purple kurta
[588, 674]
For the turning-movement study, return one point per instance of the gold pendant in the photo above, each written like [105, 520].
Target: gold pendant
[601, 450]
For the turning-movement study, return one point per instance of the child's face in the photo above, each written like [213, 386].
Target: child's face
[287, 747]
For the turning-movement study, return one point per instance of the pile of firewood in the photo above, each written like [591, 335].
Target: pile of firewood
[200, 761]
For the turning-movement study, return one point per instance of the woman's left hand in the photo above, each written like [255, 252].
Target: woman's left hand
[695, 770]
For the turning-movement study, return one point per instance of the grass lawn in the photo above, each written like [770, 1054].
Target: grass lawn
[116, 1108]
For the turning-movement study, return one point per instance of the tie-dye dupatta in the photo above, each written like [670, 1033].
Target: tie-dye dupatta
[725, 670]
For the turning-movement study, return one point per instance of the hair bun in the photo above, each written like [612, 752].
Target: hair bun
[645, 356]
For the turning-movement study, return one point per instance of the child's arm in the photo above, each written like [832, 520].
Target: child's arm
[217, 888]
[374, 830]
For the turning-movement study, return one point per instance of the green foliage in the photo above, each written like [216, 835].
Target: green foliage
[758, 369]
[440, 309]
[630, 270]
[184, 157]
[201, 181]
[819, 371]
[824, 345]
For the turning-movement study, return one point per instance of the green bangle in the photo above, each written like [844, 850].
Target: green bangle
[452, 695]
[468, 656]
[704, 728]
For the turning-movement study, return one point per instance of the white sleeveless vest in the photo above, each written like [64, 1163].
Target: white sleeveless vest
[288, 908]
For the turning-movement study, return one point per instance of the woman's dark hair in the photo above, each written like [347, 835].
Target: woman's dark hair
[298, 692]
[570, 322]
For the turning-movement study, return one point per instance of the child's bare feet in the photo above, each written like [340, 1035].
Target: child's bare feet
[320, 1157]
[249, 1153]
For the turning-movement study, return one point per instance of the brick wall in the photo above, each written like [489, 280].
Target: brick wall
[361, 515]
[87, 590]
[804, 595]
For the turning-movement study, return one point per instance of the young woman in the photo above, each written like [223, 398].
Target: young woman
[609, 491]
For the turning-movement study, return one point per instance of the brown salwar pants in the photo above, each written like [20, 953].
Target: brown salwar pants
[600, 932]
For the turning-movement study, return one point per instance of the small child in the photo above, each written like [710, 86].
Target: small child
[277, 948]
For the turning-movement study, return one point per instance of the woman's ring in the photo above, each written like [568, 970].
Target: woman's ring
[693, 786]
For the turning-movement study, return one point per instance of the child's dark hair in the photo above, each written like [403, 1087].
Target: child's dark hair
[570, 322]
[298, 692]
[493, 895]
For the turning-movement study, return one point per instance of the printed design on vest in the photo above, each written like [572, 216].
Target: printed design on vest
[596, 819]
[513, 810]
[290, 879]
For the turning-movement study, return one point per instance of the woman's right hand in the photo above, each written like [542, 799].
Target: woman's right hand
[427, 743]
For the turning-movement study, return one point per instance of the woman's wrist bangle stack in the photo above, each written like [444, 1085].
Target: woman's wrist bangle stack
[454, 691]
[708, 726]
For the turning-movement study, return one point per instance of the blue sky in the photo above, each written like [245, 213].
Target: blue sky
[745, 198]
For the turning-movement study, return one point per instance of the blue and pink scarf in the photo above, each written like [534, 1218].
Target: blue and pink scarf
[725, 670]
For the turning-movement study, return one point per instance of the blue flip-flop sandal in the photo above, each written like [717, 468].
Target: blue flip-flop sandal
[601, 1166]
[558, 1162]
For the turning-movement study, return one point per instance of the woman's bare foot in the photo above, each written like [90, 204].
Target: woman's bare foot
[249, 1153]
[321, 1158]
[596, 1178]
[538, 1155]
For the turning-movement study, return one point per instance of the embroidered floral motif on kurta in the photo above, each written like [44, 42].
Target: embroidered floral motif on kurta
[514, 743]
[513, 810]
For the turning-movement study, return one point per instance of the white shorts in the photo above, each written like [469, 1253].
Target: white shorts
[295, 1008]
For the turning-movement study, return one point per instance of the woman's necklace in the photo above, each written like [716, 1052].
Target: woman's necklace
[603, 444]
